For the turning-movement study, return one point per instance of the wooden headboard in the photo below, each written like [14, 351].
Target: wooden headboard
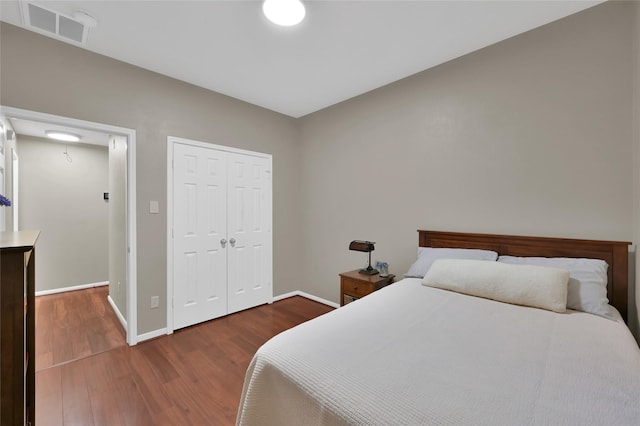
[615, 253]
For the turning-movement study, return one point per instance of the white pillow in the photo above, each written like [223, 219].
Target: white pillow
[528, 285]
[427, 255]
[587, 290]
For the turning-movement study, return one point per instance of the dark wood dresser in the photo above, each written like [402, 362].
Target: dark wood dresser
[17, 331]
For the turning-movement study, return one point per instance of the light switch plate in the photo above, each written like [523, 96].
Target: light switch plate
[154, 207]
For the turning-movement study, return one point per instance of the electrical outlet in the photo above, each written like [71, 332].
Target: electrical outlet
[155, 301]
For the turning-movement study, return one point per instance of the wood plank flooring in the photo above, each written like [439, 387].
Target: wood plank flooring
[74, 325]
[193, 376]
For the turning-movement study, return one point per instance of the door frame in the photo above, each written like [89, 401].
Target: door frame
[15, 172]
[130, 324]
[171, 140]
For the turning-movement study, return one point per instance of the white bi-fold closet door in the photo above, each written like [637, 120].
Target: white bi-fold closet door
[221, 233]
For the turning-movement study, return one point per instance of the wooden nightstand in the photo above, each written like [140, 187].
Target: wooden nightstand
[354, 285]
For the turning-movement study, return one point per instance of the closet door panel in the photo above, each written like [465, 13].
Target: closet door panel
[249, 230]
[200, 260]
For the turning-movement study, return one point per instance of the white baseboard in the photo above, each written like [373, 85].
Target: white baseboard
[72, 288]
[163, 331]
[152, 334]
[118, 313]
[308, 296]
[286, 295]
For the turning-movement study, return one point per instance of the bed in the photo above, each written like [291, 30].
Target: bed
[412, 354]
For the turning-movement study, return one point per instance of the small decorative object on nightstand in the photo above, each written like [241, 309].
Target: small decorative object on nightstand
[383, 268]
[354, 285]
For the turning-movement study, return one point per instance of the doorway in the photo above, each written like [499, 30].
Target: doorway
[124, 139]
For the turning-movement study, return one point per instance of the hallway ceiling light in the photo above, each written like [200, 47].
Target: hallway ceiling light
[62, 136]
[284, 12]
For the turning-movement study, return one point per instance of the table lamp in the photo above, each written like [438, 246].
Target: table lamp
[367, 247]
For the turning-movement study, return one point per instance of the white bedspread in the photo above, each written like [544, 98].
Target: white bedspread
[411, 355]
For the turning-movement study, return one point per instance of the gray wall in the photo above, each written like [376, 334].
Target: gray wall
[530, 136]
[38, 71]
[64, 201]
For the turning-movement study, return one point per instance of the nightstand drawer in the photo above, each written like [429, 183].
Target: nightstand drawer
[354, 285]
[355, 288]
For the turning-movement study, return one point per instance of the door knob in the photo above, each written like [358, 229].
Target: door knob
[223, 242]
[233, 242]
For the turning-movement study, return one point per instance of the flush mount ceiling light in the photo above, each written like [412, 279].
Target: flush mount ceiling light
[284, 12]
[62, 136]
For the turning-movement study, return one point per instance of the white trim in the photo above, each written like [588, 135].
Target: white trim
[286, 296]
[163, 331]
[132, 242]
[174, 139]
[307, 296]
[117, 311]
[130, 134]
[152, 334]
[170, 142]
[15, 193]
[71, 288]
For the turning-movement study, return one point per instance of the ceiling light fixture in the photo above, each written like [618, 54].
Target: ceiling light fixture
[62, 136]
[284, 12]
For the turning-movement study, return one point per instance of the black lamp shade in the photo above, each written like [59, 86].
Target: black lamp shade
[367, 247]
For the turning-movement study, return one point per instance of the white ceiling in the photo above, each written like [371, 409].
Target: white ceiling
[342, 48]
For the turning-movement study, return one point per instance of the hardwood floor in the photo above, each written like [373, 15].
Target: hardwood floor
[74, 325]
[193, 376]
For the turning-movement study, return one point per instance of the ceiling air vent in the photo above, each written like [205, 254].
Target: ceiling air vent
[54, 24]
